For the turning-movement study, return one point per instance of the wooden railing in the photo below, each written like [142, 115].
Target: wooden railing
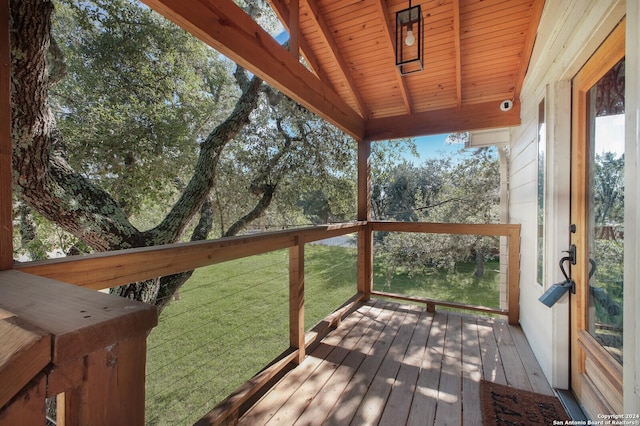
[111, 269]
[88, 401]
[106, 270]
[83, 347]
[511, 231]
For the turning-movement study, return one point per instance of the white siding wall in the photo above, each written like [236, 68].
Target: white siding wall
[632, 213]
[569, 32]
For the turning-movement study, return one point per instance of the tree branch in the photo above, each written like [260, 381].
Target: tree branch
[205, 172]
[448, 200]
[256, 212]
[170, 284]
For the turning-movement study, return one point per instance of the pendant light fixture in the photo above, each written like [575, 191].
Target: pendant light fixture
[409, 43]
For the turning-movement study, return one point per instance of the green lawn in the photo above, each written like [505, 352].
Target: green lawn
[231, 320]
[461, 286]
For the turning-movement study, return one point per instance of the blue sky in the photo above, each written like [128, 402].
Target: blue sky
[434, 146]
[431, 147]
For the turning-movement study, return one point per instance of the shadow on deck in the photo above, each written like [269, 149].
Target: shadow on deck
[396, 364]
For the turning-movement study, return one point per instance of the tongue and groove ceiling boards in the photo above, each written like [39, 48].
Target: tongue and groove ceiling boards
[476, 54]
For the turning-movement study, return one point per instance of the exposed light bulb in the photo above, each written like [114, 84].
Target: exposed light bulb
[410, 38]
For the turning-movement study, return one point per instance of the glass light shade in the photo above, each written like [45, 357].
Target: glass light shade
[409, 44]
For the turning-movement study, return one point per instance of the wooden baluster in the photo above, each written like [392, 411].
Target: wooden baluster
[296, 299]
[514, 276]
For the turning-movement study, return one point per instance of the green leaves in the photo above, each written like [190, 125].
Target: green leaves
[139, 95]
[460, 189]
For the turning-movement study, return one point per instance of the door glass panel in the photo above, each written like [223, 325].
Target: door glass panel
[606, 242]
[542, 148]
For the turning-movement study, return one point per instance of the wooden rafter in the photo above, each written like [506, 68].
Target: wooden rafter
[282, 11]
[328, 40]
[389, 37]
[478, 56]
[294, 27]
[226, 28]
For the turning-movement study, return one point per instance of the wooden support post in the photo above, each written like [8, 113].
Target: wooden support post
[6, 227]
[98, 347]
[365, 262]
[514, 276]
[364, 181]
[112, 390]
[296, 299]
[365, 236]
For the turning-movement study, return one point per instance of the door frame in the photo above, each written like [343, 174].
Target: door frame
[596, 379]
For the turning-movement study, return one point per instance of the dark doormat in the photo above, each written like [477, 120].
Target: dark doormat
[504, 405]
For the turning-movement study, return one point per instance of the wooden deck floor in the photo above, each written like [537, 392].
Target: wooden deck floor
[392, 364]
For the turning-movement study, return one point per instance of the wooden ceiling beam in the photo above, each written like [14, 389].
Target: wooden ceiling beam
[282, 11]
[336, 56]
[225, 27]
[468, 117]
[383, 15]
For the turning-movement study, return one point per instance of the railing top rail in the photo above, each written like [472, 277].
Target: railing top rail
[499, 229]
[110, 269]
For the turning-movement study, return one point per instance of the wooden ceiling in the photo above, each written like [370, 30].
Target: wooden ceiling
[476, 54]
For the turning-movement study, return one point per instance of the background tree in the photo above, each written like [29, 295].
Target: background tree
[408, 190]
[136, 95]
[385, 157]
[121, 112]
[608, 189]
[608, 245]
[462, 191]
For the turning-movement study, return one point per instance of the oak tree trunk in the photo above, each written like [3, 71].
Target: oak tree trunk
[44, 180]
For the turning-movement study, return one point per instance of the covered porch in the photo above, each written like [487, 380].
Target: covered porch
[368, 106]
[372, 360]
[377, 341]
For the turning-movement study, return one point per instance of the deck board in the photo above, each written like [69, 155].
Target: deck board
[536, 376]
[335, 385]
[471, 373]
[425, 399]
[399, 402]
[375, 399]
[392, 364]
[345, 409]
[513, 368]
[492, 368]
[273, 402]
